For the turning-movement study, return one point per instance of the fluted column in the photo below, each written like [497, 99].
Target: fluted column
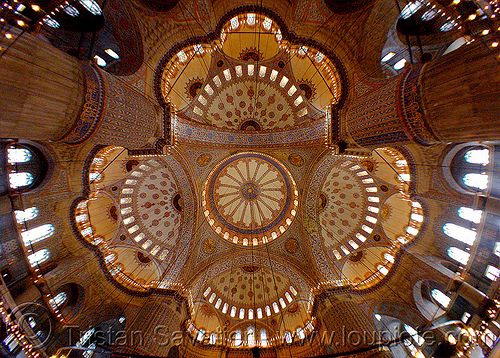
[347, 327]
[42, 90]
[460, 94]
[49, 95]
[451, 99]
[489, 204]
[470, 293]
[128, 118]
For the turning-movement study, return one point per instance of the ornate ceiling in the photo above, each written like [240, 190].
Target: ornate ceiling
[250, 199]
[248, 216]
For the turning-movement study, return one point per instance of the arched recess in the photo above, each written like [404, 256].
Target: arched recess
[455, 166]
[458, 163]
[75, 295]
[391, 328]
[27, 166]
[94, 315]
[424, 300]
[399, 310]
[279, 30]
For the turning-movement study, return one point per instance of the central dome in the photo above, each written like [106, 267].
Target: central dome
[250, 199]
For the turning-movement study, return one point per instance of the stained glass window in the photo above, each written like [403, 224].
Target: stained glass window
[263, 338]
[91, 6]
[250, 337]
[410, 9]
[58, 300]
[237, 338]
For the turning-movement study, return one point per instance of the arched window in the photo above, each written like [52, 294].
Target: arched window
[288, 337]
[237, 339]
[110, 257]
[275, 307]
[89, 352]
[470, 214]
[18, 180]
[414, 334]
[300, 333]
[282, 302]
[91, 6]
[440, 297]
[478, 156]
[27, 166]
[201, 334]
[38, 257]
[476, 180]
[250, 313]
[382, 269]
[268, 310]
[25, 215]
[492, 273]
[263, 338]
[259, 313]
[410, 9]
[458, 255]
[37, 234]
[460, 233]
[213, 338]
[18, 155]
[250, 337]
[58, 300]
[85, 337]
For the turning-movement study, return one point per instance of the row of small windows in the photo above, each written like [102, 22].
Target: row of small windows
[480, 157]
[34, 235]
[15, 156]
[26, 166]
[90, 5]
[224, 306]
[249, 339]
[460, 233]
[467, 236]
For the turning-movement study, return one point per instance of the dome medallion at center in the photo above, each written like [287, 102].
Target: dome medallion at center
[250, 199]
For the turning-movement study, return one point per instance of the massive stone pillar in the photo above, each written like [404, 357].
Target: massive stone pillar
[49, 95]
[460, 94]
[451, 99]
[128, 116]
[489, 204]
[347, 327]
[42, 90]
